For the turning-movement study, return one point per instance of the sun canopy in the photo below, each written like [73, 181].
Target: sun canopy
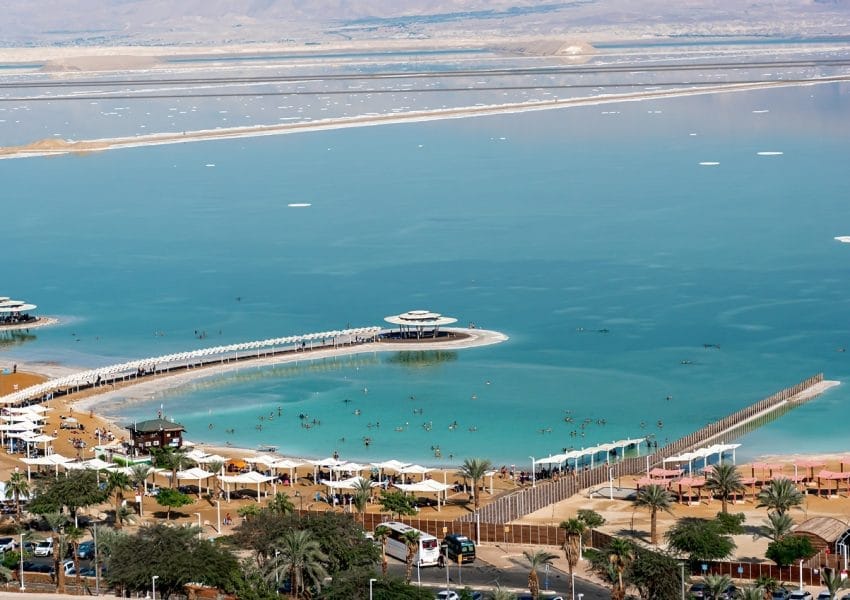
[392, 465]
[251, 477]
[429, 485]
[347, 484]
[262, 459]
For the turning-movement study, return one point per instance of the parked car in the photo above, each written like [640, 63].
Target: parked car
[824, 595]
[44, 548]
[699, 590]
[7, 544]
[731, 593]
[68, 567]
[780, 593]
[800, 595]
[86, 550]
[90, 572]
[447, 595]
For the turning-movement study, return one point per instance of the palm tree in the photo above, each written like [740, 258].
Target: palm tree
[501, 594]
[537, 559]
[780, 495]
[382, 532]
[73, 535]
[299, 557]
[654, 497]
[56, 522]
[717, 584]
[751, 592]
[833, 581]
[411, 540]
[139, 476]
[776, 527]
[474, 469]
[768, 584]
[174, 459]
[281, 504]
[361, 495]
[17, 487]
[724, 480]
[574, 528]
[116, 484]
[620, 554]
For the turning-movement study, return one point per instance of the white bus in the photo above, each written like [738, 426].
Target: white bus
[429, 547]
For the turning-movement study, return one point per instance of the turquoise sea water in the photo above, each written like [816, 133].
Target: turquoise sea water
[548, 226]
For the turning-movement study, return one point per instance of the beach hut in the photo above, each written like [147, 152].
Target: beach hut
[822, 532]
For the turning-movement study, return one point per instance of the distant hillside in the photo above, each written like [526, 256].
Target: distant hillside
[193, 22]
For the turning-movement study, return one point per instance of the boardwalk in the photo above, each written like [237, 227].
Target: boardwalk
[514, 505]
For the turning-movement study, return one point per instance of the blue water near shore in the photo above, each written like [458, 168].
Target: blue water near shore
[591, 236]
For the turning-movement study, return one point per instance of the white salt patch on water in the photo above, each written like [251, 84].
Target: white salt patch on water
[299, 205]
[709, 164]
[692, 134]
[759, 112]
[769, 153]
[209, 165]
[844, 239]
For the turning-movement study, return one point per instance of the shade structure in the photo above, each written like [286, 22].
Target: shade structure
[665, 473]
[347, 484]
[428, 486]
[32, 408]
[194, 473]
[415, 470]
[392, 465]
[249, 478]
[51, 459]
[266, 460]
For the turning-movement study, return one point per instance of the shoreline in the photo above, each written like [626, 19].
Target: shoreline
[54, 147]
[40, 322]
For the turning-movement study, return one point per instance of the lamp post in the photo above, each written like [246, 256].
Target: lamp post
[573, 584]
[300, 500]
[153, 586]
[22, 562]
[682, 566]
[533, 472]
[96, 568]
[200, 527]
[610, 483]
[218, 515]
[371, 581]
[801, 574]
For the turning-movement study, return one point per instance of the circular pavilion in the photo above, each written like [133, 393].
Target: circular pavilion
[16, 312]
[419, 324]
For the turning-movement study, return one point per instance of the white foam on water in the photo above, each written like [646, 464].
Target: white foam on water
[709, 164]
[209, 165]
[770, 153]
[759, 112]
[844, 239]
[299, 205]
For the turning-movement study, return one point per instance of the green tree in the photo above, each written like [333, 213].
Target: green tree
[656, 575]
[699, 539]
[590, 518]
[354, 585]
[474, 469]
[729, 523]
[249, 511]
[620, 555]
[361, 494]
[281, 504]
[724, 481]
[171, 498]
[789, 549]
[175, 555]
[17, 487]
[299, 557]
[397, 503]
[574, 529]
[342, 539]
[251, 585]
[716, 584]
[138, 477]
[833, 582]
[537, 559]
[776, 527]
[654, 498]
[411, 540]
[780, 495]
[382, 532]
[260, 532]
[116, 484]
[76, 490]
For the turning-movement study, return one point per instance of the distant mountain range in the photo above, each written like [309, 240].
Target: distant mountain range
[196, 22]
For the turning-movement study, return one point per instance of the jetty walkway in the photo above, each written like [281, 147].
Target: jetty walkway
[309, 346]
[516, 504]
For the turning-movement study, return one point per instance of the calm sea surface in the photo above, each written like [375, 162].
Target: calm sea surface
[592, 236]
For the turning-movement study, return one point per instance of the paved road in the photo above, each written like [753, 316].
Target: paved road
[483, 576]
